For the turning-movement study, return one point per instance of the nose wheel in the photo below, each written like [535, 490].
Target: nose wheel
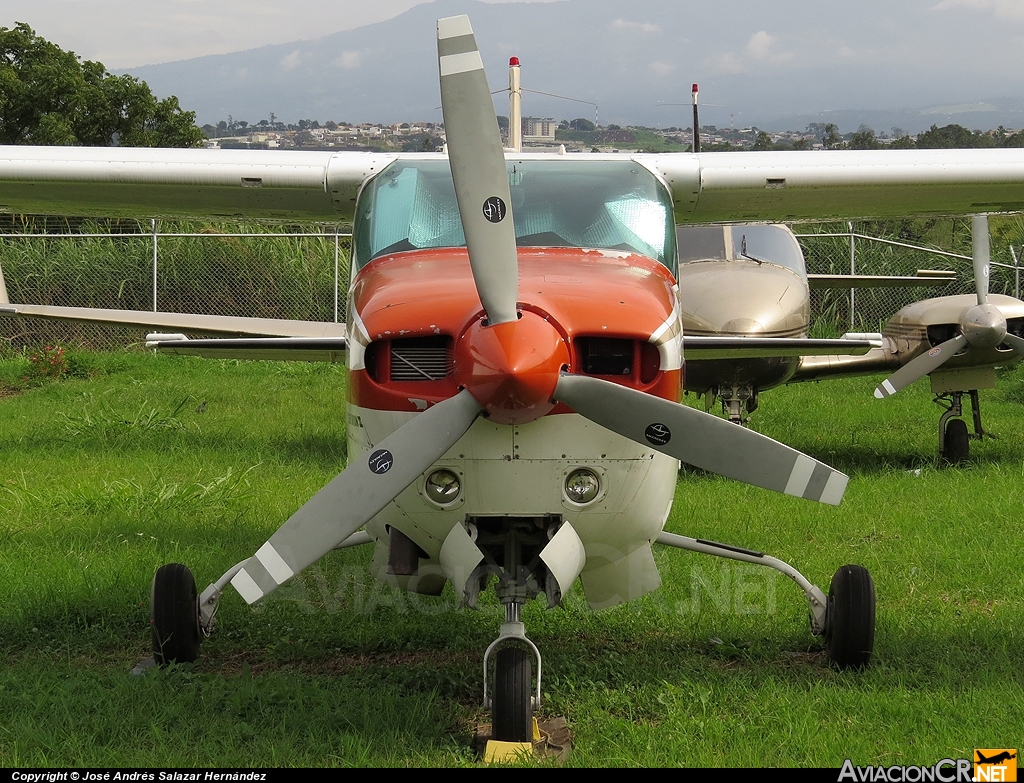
[513, 697]
[956, 444]
[512, 708]
[954, 438]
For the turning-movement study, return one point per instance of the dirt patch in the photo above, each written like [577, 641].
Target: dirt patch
[8, 391]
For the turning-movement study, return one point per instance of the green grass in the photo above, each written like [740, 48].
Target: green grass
[140, 460]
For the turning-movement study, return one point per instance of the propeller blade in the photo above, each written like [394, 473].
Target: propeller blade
[1014, 342]
[701, 439]
[919, 367]
[478, 168]
[356, 495]
[980, 241]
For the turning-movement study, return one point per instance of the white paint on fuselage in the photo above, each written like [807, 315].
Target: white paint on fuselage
[520, 471]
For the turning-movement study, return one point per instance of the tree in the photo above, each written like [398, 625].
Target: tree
[826, 133]
[863, 139]
[49, 96]
[763, 141]
[580, 124]
[953, 137]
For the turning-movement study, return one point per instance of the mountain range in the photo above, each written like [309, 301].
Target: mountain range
[777, 66]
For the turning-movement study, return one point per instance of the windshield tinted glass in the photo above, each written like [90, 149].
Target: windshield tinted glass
[612, 205]
[772, 244]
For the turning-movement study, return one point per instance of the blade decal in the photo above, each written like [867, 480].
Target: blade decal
[453, 27]
[278, 569]
[457, 44]
[816, 486]
[246, 587]
[834, 489]
[453, 64]
[800, 476]
[262, 581]
[885, 389]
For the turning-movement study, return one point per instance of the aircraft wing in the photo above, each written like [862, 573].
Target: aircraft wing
[881, 281]
[731, 187]
[819, 368]
[148, 182]
[698, 348]
[189, 322]
[278, 349]
[707, 187]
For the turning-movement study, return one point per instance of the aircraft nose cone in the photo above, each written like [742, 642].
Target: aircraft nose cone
[511, 369]
[984, 326]
[744, 326]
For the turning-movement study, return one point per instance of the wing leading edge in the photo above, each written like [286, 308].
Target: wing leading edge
[706, 187]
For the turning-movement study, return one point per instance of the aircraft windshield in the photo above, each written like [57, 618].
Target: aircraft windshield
[763, 242]
[611, 205]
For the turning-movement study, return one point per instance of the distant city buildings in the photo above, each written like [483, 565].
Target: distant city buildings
[548, 133]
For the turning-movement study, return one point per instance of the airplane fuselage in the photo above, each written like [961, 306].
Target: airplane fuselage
[742, 298]
[408, 352]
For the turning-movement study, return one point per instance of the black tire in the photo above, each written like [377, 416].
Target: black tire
[956, 445]
[850, 618]
[174, 616]
[512, 709]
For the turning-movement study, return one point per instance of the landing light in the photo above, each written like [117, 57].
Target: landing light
[443, 487]
[582, 486]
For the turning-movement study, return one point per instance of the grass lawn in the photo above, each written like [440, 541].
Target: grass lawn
[139, 460]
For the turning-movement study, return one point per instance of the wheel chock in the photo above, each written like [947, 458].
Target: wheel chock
[499, 752]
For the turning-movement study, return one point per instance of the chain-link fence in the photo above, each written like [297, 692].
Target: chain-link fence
[847, 248]
[262, 271]
[287, 272]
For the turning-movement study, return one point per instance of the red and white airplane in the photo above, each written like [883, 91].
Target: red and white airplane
[515, 352]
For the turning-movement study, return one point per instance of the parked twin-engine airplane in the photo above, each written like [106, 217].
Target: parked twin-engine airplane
[515, 352]
[750, 280]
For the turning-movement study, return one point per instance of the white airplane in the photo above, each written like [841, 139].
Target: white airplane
[515, 353]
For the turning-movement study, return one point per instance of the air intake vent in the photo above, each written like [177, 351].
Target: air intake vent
[421, 358]
[605, 355]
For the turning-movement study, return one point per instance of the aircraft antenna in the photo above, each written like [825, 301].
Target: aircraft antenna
[696, 122]
[515, 105]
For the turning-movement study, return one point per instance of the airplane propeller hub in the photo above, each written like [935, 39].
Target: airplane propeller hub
[512, 369]
[984, 326]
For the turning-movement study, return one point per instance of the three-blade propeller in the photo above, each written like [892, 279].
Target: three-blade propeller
[981, 326]
[376, 478]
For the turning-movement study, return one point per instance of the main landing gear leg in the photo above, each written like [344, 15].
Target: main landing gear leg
[846, 617]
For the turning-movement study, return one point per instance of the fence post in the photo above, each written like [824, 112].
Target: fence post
[1016, 273]
[335, 274]
[153, 226]
[853, 270]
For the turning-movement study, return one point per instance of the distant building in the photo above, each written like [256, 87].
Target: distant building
[537, 129]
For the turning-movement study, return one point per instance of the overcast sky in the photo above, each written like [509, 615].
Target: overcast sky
[127, 33]
[752, 57]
